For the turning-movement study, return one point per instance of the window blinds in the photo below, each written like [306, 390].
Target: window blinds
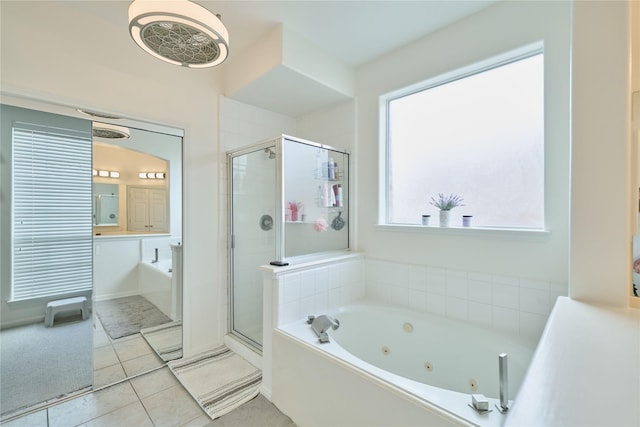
[51, 200]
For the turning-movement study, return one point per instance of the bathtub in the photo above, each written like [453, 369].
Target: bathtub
[388, 366]
[155, 281]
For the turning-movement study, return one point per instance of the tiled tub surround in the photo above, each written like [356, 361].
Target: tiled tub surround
[511, 304]
[319, 287]
[308, 286]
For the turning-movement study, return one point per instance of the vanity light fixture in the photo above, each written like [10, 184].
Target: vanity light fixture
[179, 32]
[151, 175]
[105, 174]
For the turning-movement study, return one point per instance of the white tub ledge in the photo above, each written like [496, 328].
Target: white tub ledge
[586, 369]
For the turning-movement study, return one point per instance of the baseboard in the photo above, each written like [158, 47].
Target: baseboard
[266, 392]
[114, 296]
[241, 349]
[22, 322]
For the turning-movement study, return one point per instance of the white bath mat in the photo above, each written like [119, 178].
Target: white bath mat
[219, 380]
[166, 340]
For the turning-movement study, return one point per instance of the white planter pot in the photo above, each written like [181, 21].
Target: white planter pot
[444, 218]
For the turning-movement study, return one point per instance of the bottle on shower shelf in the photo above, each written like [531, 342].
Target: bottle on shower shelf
[332, 169]
[318, 165]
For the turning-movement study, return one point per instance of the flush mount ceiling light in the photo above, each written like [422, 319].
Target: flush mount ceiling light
[107, 131]
[179, 32]
[97, 114]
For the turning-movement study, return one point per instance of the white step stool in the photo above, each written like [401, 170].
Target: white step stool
[58, 306]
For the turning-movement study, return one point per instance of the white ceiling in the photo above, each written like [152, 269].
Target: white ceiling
[354, 31]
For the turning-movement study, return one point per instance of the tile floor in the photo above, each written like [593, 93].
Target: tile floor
[155, 398]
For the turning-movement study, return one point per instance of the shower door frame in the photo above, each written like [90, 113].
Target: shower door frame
[278, 221]
[277, 226]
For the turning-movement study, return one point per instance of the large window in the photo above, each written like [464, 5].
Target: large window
[477, 133]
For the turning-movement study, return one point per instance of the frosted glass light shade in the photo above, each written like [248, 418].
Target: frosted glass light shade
[179, 32]
[109, 131]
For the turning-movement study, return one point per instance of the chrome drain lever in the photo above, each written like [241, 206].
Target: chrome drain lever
[480, 404]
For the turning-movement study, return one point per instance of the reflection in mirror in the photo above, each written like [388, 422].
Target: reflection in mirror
[105, 204]
[133, 277]
[137, 259]
[635, 289]
[45, 267]
[139, 170]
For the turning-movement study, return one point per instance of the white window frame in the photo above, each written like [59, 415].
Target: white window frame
[383, 153]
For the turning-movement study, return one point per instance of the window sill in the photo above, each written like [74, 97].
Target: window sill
[465, 231]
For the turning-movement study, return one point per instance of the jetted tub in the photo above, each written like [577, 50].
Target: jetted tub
[388, 366]
[155, 279]
[163, 265]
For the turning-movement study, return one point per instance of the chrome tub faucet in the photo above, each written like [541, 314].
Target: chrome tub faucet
[156, 258]
[321, 325]
[503, 407]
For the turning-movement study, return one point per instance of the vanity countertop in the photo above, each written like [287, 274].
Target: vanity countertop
[126, 235]
[585, 371]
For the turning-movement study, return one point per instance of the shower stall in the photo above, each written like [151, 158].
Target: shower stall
[289, 199]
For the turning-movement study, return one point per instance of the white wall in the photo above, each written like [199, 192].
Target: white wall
[492, 31]
[601, 195]
[334, 126]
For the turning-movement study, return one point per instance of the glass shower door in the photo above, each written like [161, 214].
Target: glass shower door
[253, 238]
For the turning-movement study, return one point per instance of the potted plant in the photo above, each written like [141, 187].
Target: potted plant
[445, 204]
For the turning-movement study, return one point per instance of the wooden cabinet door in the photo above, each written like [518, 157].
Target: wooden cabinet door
[147, 210]
[137, 209]
[158, 212]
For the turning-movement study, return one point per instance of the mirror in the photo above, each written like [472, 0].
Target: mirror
[46, 260]
[141, 170]
[131, 271]
[635, 135]
[105, 205]
[137, 257]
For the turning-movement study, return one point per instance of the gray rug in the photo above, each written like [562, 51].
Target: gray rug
[39, 364]
[126, 316]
